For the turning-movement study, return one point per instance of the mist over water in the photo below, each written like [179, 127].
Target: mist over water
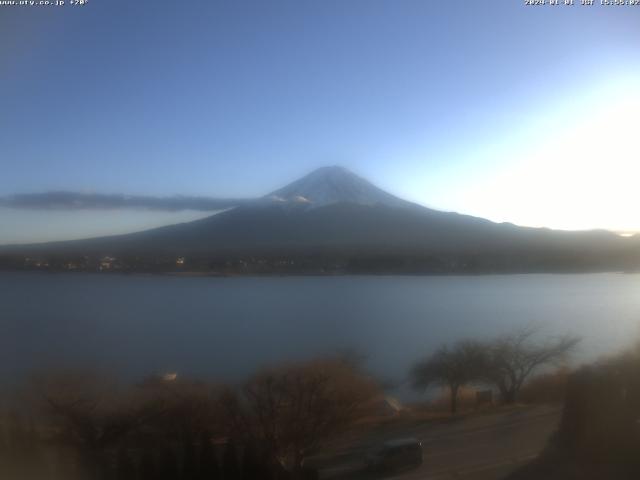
[226, 328]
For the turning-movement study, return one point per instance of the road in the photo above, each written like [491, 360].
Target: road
[476, 447]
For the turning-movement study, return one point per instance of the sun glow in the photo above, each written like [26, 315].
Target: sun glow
[581, 173]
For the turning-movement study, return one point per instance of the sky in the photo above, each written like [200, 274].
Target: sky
[516, 113]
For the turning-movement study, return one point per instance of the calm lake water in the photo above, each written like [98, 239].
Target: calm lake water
[226, 327]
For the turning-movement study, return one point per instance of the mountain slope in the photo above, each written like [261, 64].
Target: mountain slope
[334, 212]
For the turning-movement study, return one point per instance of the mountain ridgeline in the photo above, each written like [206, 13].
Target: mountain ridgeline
[333, 221]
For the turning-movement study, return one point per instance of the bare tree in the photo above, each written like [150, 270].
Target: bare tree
[510, 359]
[291, 410]
[92, 415]
[190, 407]
[452, 367]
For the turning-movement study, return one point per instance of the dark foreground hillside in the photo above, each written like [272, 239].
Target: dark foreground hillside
[599, 434]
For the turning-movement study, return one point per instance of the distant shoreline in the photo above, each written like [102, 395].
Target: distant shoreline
[311, 274]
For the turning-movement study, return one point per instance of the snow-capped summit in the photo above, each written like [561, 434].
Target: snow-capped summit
[328, 185]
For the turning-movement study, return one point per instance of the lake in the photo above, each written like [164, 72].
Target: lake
[227, 327]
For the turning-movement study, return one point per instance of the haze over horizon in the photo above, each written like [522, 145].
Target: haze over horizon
[525, 115]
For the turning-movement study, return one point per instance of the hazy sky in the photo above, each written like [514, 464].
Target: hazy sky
[523, 114]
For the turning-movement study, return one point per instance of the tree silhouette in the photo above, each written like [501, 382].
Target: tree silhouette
[189, 459]
[125, 468]
[253, 463]
[230, 467]
[208, 461]
[452, 367]
[91, 415]
[169, 465]
[148, 469]
[511, 358]
[290, 411]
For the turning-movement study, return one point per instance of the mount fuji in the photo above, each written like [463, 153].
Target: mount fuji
[331, 185]
[342, 218]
